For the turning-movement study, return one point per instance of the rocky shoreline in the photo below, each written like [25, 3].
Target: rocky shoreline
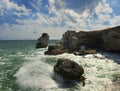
[83, 42]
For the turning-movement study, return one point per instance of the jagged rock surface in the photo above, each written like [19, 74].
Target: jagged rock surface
[43, 41]
[69, 70]
[107, 39]
[111, 39]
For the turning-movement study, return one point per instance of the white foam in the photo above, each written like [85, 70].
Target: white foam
[35, 74]
[98, 71]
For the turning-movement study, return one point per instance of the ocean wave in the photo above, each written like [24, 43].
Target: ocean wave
[37, 73]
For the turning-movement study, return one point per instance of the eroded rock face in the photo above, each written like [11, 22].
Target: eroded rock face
[70, 41]
[55, 49]
[43, 41]
[69, 70]
[111, 39]
[107, 39]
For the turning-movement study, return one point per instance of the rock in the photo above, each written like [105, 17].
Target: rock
[69, 70]
[91, 39]
[70, 41]
[55, 46]
[55, 49]
[43, 41]
[106, 39]
[84, 52]
[111, 39]
[54, 52]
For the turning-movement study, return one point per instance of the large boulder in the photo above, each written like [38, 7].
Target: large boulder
[43, 41]
[69, 70]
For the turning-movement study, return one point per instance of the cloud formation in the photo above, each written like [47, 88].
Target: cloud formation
[54, 17]
[7, 7]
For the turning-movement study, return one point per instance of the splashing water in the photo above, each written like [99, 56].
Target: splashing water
[35, 75]
[38, 74]
[22, 68]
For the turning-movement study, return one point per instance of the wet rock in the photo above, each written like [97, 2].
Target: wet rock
[54, 52]
[69, 70]
[43, 41]
[55, 49]
[84, 52]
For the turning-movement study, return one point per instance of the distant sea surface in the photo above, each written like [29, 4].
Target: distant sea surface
[25, 68]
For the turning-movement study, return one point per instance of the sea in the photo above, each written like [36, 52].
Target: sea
[25, 68]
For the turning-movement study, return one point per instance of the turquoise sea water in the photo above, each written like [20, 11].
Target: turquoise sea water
[12, 55]
[24, 68]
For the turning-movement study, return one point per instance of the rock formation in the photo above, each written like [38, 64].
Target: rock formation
[111, 39]
[43, 41]
[70, 41]
[55, 50]
[69, 70]
[86, 42]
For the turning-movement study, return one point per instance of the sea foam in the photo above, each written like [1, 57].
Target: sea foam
[37, 74]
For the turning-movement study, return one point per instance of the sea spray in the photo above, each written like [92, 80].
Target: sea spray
[35, 75]
[38, 75]
[98, 69]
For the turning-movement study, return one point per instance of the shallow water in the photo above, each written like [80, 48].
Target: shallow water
[23, 68]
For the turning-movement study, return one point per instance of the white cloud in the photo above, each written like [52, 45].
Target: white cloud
[28, 31]
[6, 5]
[63, 18]
[16, 32]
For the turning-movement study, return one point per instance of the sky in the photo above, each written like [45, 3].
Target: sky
[28, 19]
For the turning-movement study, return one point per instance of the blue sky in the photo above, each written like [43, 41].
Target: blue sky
[28, 19]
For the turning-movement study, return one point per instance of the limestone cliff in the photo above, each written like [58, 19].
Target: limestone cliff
[107, 39]
[82, 42]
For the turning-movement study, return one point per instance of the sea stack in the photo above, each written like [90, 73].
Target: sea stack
[43, 41]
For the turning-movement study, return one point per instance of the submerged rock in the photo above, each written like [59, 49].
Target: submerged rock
[43, 41]
[69, 70]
